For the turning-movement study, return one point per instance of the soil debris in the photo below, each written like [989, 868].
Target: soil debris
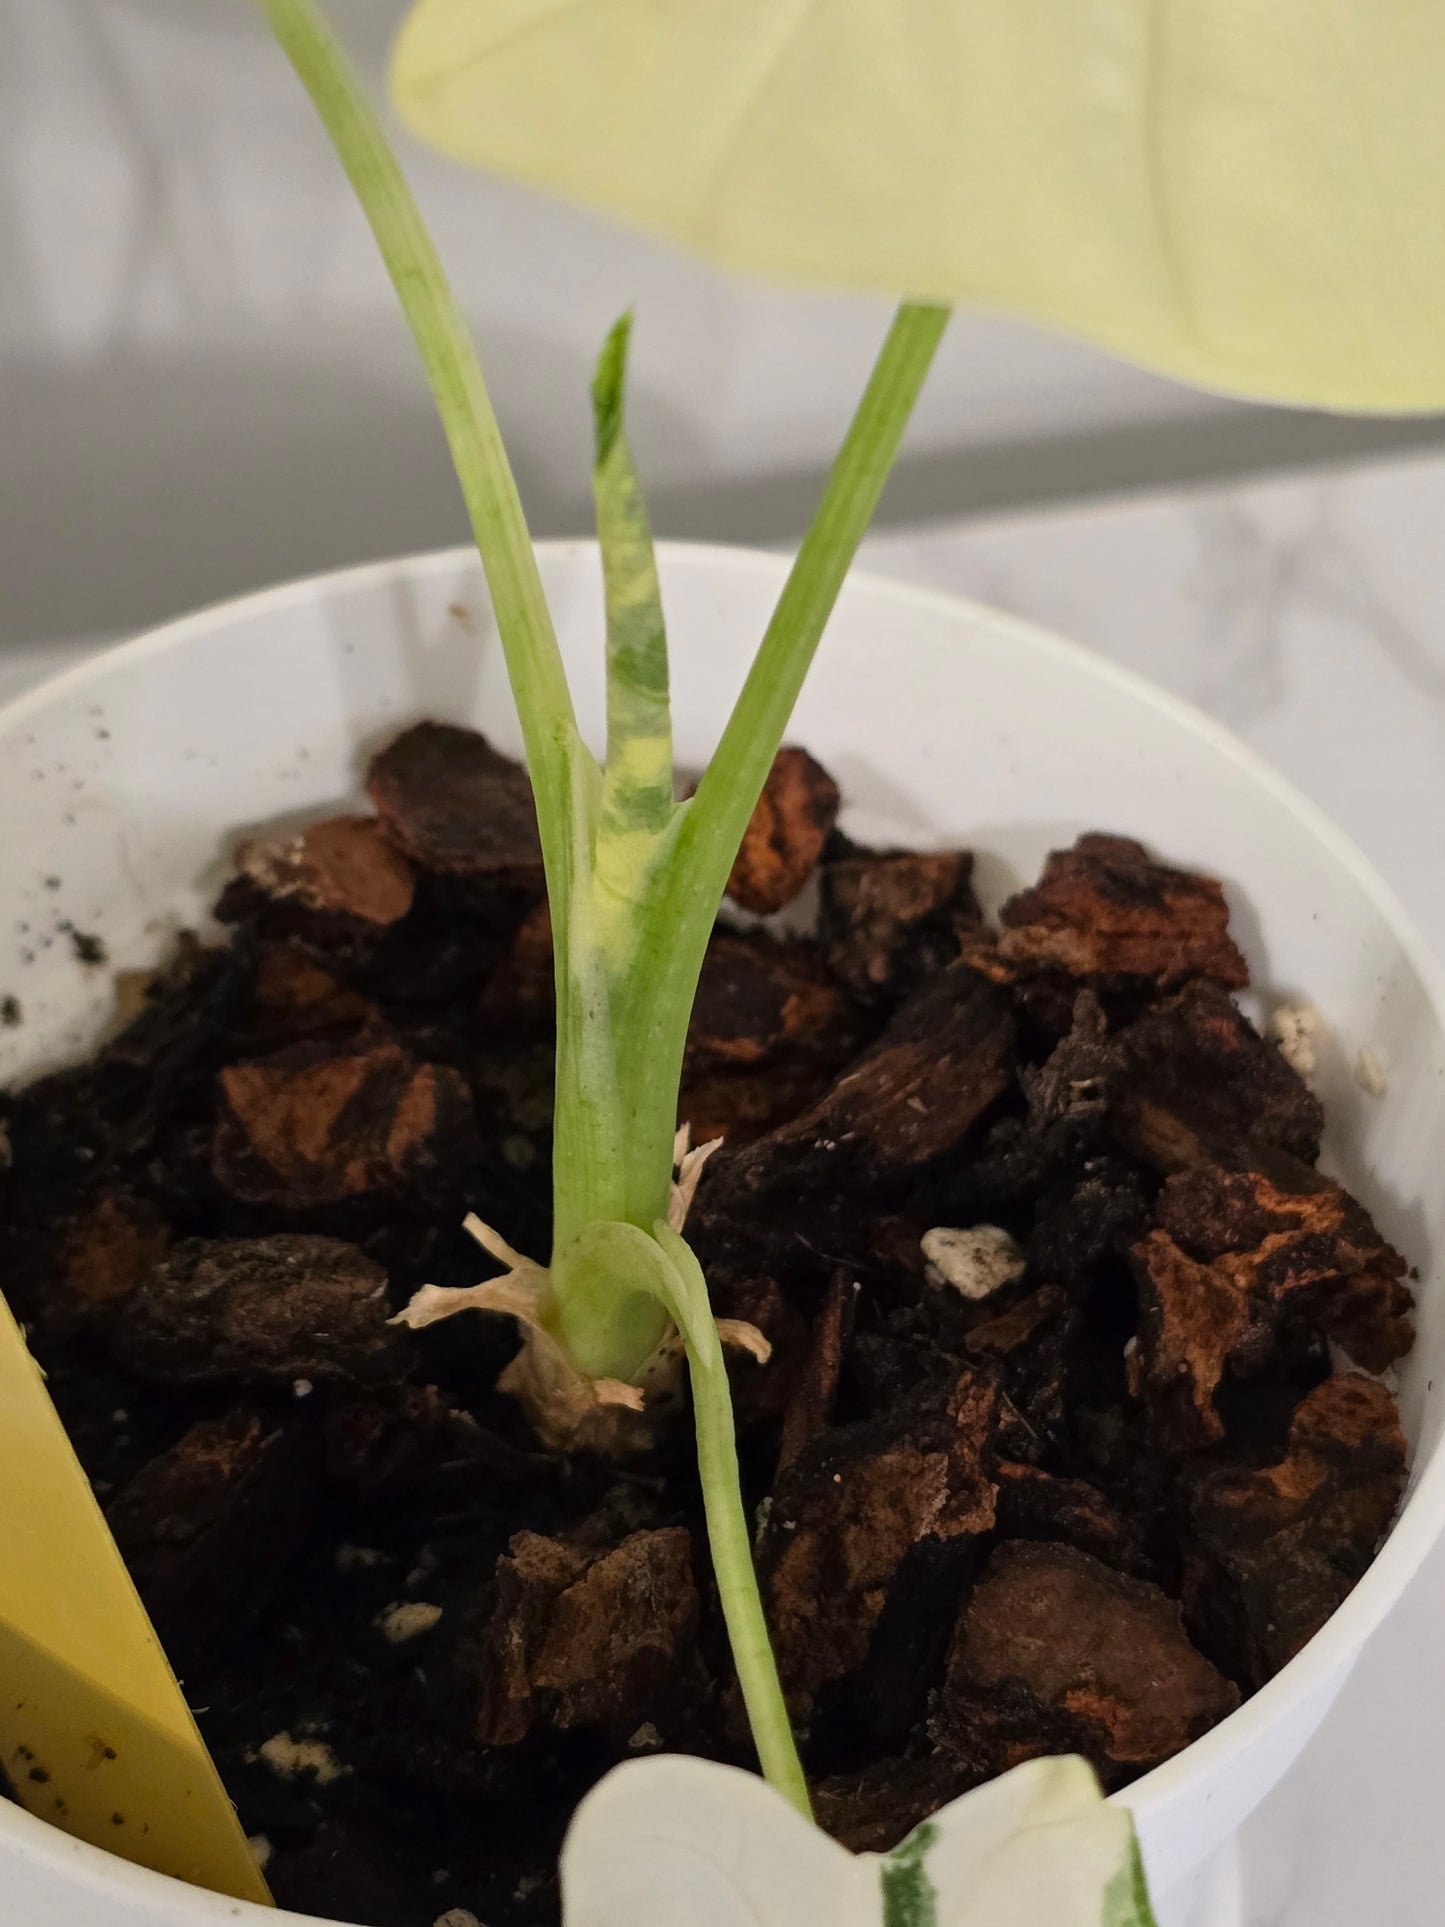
[212, 1528]
[580, 1637]
[1237, 1270]
[1106, 910]
[848, 1511]
[1201, 1086]
[314, 1125]
[757, 998]
[890, 919]
[1056, 1652]
[1064, 1440]
[455, 805]
[279, 1308]
[343, 876]
[1276, 1549]
[785, 836]
[104, 1256]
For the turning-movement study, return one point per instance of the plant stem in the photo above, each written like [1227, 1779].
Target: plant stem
[734, 778]
[727, 1530]
[534, 662]
[737, 1581]
[652, 1004]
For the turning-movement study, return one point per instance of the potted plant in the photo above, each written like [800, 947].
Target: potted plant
[634, 878]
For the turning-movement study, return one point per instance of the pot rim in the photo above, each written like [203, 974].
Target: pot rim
[1422, 1515]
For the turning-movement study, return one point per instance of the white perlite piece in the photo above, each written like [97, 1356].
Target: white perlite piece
[976, 1262]
[406, 1619]
[261, 1849]
[357, 1558]
[288, 1757]
[457, 1917]
[1371, 1075]
[1294, 1028]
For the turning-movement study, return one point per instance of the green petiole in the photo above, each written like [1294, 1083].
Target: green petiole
[727, 1526]
[534, 662]
[674, 919]
[634, 878]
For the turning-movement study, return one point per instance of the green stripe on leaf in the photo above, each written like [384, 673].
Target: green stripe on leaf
[909, 1899]
[1126, 1898]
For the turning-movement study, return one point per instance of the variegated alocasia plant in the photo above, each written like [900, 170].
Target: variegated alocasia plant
[634, 880]
[635, 876]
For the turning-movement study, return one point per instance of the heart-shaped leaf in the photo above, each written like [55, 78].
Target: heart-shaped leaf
[1245, 193]
[671, 1840]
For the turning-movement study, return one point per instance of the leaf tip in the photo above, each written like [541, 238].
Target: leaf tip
[609, 383]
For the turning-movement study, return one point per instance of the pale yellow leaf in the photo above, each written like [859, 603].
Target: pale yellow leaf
[1249, 194]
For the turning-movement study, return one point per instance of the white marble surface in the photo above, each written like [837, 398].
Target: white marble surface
[1309, 614]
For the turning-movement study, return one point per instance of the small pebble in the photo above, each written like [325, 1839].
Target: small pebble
[1295, 1028]
[976, 1262]
[357, 1558]
[1371, 1075]
[456, 1917]
[646, 1736]
[406, 1619]
[288, 1757]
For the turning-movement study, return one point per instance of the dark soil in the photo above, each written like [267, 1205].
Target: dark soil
[1068, 1440]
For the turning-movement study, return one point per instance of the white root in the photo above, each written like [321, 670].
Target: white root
[565, 1406]
[743, 1337]
[688, 1165]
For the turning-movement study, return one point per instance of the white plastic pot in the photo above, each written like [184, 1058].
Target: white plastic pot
[128, 779]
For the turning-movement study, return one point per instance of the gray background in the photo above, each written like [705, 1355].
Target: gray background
[204, 385]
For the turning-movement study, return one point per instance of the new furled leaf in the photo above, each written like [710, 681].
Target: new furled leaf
[637, 799]
[638, 771]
